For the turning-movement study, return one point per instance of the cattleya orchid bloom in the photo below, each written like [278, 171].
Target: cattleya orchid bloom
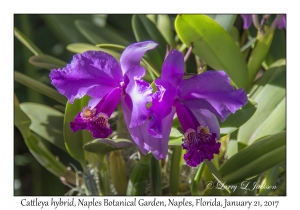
[107, 82]
[248, 20]
[197, 101]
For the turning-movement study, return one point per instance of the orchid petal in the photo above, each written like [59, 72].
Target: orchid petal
[145, 142]
[133, 54]
[95, 118]
[282, 23]
[186, 117]
[173, 68]
[136, 72]
[78, 123]
[212, 90]
[93, 102]
[139, 134]
[203, 150]
[247, 21]
[206, 118]
[110, 102]
[199, 140]
[97, 124]
[98, 131]
[159, 146]
[92, 73]
[162, 102]
[138, 94]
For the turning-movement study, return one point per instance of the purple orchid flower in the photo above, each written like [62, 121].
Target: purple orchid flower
[197, 101]
[248, 20]
[100, 76]
[282, 23]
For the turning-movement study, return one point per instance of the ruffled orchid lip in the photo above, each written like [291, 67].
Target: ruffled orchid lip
[95, 116]
[94, 121]
[200, 145]
[199, 140]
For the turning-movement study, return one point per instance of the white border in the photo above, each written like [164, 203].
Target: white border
[9, 8]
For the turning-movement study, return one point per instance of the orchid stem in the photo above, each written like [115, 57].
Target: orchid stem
[104, 179]
[155, 176]
[168, 50]
[188, 53]
[90, 182]
[262, 23]
[176, 164]
[264, 19]
[256, 22]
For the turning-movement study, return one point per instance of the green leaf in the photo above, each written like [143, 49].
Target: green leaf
[241, 116]
[22, 38]
[118, 172]
[196, 180]
[270, 179]
[46, 62]
[175, 137]
[151, 66]
[278, 63]
[215, 173]
[248, 44]
[152, 17]
[277, 49]
[114, 47]
[164, 26]
[97, 35]
[103, 146]
[46, 122]
[226, 21]
[277, 69]
[255, 159]
[176, 164]
[213, 45]
[144, 30]
[232, 147]
[259, 53]
[212, 16]
[39, 87]
[155, 176]
[37, 148]
[64, 28]
[139, 177]
[103, 174]
[74, 141]
[235, 34]
[270, 94]
[82, 47]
